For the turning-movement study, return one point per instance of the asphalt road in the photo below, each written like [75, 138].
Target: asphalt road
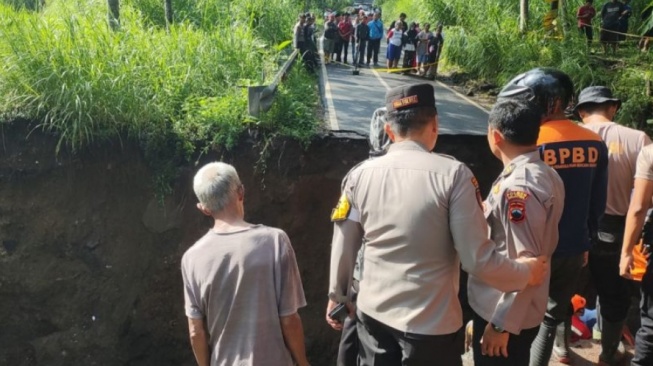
[351, 100]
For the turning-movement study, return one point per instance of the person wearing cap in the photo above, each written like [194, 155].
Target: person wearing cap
[420, 216]
[597, 108]
[581, 159]
[523, 210]
[637, 212]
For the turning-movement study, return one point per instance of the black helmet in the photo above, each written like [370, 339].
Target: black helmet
[548, 87]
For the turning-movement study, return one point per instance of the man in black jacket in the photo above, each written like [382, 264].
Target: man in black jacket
[362, 34]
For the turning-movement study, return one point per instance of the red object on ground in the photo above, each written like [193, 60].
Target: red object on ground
[579, 330]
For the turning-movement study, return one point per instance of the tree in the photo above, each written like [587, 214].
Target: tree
[168, 10]
[114, 13]
[523, 16]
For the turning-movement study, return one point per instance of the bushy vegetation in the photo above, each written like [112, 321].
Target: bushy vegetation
[183, 85]
[482, 38]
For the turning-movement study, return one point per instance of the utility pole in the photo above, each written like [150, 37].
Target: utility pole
[523, 16]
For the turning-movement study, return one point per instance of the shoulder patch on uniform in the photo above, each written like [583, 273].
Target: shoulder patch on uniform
[517, 205]
[341, 211]
[478, 192]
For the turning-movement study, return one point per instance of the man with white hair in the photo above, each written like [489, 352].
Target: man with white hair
[242, 287]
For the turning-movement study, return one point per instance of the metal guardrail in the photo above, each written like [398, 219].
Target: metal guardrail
[260, 98]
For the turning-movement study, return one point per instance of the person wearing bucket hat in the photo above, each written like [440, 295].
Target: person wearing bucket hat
[580, 157]
[419, 214]
[597, 108]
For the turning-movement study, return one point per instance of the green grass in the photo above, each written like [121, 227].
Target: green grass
[65, 67]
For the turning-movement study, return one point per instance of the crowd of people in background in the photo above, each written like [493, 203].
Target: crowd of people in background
[364, 32]
[614, 24]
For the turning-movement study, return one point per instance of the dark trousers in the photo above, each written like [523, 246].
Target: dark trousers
[562, 286]
[409, 58]
[519, 346]
[344, 48]
[373, 50]
[644, 337]
[337, 47]
[360, 53]
[381, 345]
[613, 290]
[348, 347]
[587, 31]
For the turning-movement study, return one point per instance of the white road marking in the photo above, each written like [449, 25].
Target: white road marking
[331, 109]
[378, 76]
[462, 96]
[465, 98]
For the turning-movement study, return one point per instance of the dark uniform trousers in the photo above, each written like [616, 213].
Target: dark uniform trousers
[613, 290]
[348, 348]
[644, 337]
[519, 346]
[381, 345]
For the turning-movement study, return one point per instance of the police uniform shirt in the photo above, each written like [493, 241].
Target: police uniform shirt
[419, 216]
[624, 144]
[522, 210]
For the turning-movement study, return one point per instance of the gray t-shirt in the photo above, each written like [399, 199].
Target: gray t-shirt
[241, 283]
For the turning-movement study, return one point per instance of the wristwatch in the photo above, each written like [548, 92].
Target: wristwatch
[497, 329]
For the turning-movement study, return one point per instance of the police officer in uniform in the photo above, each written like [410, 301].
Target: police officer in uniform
[581, 159]
[597, 108]
[348, 347]
[419, 215]
[523, 210]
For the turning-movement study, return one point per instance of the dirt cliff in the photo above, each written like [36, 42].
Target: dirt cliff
[89, 257]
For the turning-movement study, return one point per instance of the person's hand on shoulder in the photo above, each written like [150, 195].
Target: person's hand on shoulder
[539, 269]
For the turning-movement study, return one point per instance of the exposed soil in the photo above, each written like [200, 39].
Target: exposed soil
[89, 261]
[482, 92]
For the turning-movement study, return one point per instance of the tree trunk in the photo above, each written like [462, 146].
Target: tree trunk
[114, 13]
[168, 10]
[562, 17]
[523, 16]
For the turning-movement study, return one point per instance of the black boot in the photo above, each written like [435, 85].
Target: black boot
[543, 344]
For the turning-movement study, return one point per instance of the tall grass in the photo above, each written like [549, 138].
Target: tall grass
[65, 67]
[482, 39]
